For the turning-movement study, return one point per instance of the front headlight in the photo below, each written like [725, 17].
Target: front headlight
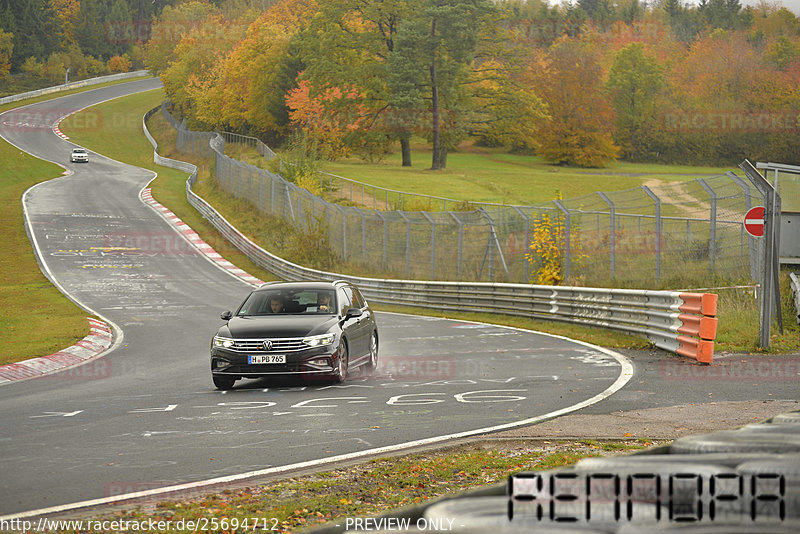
[318, 341]
[223, 342]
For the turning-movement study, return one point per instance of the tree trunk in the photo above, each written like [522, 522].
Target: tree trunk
[443, 157]
[405, 148]
[436, 163]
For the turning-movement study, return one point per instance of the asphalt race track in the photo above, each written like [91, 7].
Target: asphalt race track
[146, 415]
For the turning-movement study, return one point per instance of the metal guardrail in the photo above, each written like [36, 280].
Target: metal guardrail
[683, 323]
[72, 85]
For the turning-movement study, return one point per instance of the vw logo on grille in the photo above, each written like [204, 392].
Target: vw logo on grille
[267, 345]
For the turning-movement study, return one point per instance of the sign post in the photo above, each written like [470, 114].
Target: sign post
[770, 290]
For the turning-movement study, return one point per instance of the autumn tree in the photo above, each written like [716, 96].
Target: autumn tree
[245, 91]
[68, 12]
[197, 56]
[167, 31]
[570, 83]
[434, 53]
[634, 82]
[349, 44]
[6, 49]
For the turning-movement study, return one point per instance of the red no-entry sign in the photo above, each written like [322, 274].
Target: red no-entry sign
[754, 221]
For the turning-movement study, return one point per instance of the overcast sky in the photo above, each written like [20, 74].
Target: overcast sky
[793, 5]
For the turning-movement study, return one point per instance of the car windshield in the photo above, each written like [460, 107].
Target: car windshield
[288, 302]
[78, 151]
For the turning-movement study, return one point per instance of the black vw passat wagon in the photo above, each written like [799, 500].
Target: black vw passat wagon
[313, 329]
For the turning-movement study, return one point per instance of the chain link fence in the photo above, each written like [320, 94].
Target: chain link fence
[660, 232]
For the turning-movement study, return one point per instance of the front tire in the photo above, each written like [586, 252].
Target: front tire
[342, 362]
[223, 382]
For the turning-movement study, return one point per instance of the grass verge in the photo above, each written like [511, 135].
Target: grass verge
[303, 503]
[35, 317]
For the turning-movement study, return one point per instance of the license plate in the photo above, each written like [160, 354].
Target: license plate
[266, 358]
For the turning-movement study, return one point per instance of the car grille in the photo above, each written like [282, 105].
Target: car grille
[278, 345]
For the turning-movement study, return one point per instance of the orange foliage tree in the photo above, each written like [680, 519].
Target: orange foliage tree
[324, 125]
[247, 89]
[577, 132]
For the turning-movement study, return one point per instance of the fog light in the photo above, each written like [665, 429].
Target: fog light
[320, 361]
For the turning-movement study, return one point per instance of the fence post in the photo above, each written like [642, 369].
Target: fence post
[613, 226]
[433, 244]
[260, 190]
[408, 242]
[249, 181]
[752, 242]
[272, 195]
[460, 241]
[363, 234]
[526, 243]
[344, 231]
[385, 237]
[567, 239]
[289, 202]
[659, 228]
[712, 239]
[491, 245]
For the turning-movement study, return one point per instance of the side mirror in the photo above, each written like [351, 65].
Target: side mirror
[353, 312]
[226, 315]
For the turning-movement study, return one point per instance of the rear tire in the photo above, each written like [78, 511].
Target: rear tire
[223, 382]
[372, 364]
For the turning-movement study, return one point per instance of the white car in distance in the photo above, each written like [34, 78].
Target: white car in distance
[79, 155]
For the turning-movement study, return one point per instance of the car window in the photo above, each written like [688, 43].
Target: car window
[345, 299]
[293, 301]
[358, 299]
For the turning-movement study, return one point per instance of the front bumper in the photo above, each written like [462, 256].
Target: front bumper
[305, 362]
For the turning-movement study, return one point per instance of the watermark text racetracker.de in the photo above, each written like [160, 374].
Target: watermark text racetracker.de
[732, 121]
[775, 369]
[201, 524]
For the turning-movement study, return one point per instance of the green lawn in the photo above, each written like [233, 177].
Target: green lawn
[478, 174]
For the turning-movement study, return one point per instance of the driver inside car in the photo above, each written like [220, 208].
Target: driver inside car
[276, 304]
